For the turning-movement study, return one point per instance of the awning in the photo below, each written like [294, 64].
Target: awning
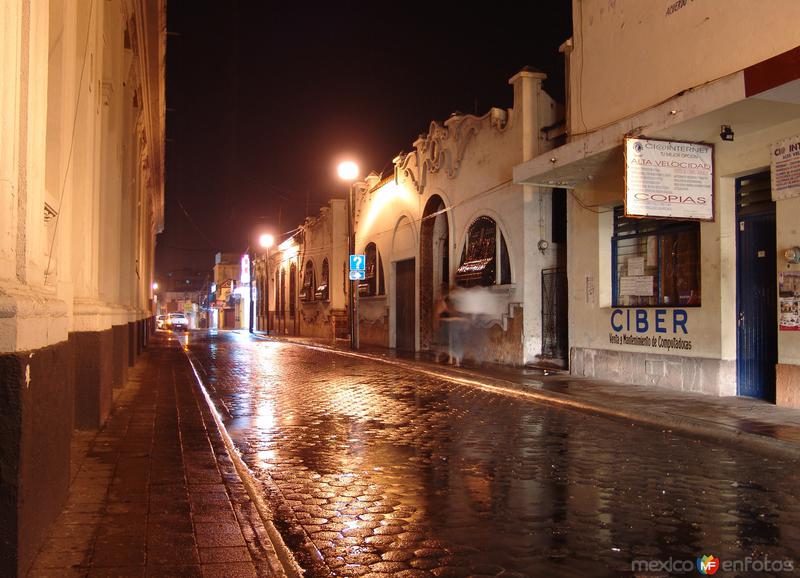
[746, 100]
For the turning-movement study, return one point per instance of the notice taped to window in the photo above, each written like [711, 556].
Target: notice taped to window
[785, 167]
[641, 286]
[669, 180]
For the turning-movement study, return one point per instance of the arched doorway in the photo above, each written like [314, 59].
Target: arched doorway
[434, 279]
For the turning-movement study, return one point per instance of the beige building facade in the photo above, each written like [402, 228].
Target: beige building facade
[81, 200]
[723, 76]
[449, 222]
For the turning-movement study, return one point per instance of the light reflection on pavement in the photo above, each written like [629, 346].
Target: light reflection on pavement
[392, 472]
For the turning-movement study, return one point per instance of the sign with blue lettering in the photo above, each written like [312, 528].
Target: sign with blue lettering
[358, 262]
[631, 326]
[357, 275]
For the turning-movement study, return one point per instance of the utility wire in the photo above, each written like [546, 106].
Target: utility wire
[199, 230]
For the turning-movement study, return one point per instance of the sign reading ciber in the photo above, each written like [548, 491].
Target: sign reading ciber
[669, 180]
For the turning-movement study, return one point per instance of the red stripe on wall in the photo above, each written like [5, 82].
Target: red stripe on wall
[772, 72]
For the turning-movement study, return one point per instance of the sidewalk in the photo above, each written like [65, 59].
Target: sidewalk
[154, 493]
[741, 421]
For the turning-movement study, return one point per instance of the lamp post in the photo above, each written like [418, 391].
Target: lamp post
[266, 241]
[348, 172]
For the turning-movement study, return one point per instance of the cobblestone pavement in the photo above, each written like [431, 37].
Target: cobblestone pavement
[389, 472]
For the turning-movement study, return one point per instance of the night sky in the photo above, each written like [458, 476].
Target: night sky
[264, 98]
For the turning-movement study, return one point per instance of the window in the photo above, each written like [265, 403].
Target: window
[282, 299]
[655, 262]
[481, 254]
[322, 293]
[292, 290]
[309, 287]
[373, 279]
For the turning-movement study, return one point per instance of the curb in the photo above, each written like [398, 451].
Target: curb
[699, 428]
[279, 555]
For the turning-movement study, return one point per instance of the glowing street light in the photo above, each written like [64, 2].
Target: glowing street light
[266, 240]
[348, 171]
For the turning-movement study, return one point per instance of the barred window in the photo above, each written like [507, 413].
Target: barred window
[481, 254]
[373, 276]
[655, 262]
[322, 293]
[309, 288]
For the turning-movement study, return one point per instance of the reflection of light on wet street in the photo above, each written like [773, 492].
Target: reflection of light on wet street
[389, 471]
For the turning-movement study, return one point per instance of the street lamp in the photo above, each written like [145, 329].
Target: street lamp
[348, 172]
[266, 241]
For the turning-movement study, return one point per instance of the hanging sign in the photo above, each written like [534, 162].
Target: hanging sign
[669, 179]
[785, 168]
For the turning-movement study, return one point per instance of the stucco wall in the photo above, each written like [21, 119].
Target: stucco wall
[618, 44]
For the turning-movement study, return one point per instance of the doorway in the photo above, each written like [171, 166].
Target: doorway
[756, 288]
[404, 305]
[434, 269]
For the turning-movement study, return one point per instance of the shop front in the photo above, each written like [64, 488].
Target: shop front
[684, 220]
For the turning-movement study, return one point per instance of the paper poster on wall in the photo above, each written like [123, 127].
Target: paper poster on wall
[669, 179]
[641, 286]
[789, 300]
[785, 169]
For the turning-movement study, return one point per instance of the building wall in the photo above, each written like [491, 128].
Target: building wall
[81, 199]
[629, 55]
[325, 237]
[466, 161]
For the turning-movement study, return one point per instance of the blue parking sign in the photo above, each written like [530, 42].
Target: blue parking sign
[358, 262]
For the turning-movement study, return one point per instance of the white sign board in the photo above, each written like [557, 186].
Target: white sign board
[669, 180]
[785, 168]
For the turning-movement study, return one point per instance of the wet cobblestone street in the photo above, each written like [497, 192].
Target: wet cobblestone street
[391, 472]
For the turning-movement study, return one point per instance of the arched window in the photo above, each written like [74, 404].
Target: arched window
[322, 293]
[309, 286]
[373, 281]
[292, 290]
[482, 253]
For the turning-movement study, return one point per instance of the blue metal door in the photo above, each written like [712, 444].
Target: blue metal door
[756, 272]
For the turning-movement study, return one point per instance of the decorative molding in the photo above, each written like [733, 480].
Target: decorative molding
[443, 148]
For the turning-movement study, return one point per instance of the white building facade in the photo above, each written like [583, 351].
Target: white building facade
[81, 200]
[697, 305]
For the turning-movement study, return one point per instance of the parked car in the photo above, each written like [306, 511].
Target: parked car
[177, 322]
[161, 321]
